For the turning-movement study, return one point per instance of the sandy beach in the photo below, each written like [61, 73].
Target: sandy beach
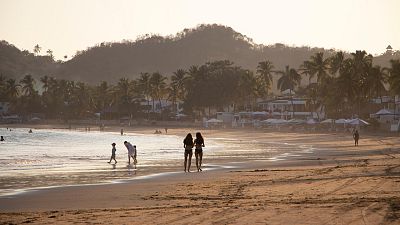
[337, 183]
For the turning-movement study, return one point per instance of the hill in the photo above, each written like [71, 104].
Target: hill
[15, 63]
[151, 53]
[110, 61]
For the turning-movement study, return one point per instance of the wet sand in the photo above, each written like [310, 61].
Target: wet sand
[336, 184]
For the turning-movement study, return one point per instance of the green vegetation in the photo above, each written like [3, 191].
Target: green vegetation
[344, 90]
[209, 67]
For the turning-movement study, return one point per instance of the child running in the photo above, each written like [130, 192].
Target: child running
[113, 150]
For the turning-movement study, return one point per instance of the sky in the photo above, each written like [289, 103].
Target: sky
[68, 26]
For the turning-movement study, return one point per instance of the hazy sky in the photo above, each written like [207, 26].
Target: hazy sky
[66, 26]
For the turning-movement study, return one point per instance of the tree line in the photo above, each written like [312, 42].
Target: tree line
[342, 86]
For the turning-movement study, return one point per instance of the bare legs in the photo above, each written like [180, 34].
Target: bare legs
[188, 162]
[113, 157]
[133, 158]
[199, 159]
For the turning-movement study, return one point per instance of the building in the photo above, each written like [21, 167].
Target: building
[286, 108]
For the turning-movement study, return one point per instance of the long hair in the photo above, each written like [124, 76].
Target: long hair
[199, 137]
[188, 137]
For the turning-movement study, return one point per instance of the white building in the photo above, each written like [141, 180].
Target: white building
[286, 108]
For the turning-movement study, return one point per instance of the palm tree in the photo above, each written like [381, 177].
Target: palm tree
[45, 81]
[37, 49]
[307, 69]
[248, 89]
[177, 89]
[394, 76]
[50, 53]
[265, 70]
[28, 85]
[374, 82]
[336, 63]
[349, 84]
[123, 91]
[289, 79]
[12, 89]
[158, 87]
[144, 88]
[318, 66]
[2, 87]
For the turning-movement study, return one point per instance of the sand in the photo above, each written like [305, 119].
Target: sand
[336, 184]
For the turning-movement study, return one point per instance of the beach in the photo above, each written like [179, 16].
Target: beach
[324, 180]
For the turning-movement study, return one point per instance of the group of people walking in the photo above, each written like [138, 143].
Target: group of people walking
[198, 144]
[188, 144]
[132, 153]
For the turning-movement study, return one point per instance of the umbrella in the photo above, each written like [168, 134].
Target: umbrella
[341, 121]
[358, 121]
[311, 121]
[279, 121]
[327, 121]
[268, 121]
[213, 120]
[383, 112]
[296, 121]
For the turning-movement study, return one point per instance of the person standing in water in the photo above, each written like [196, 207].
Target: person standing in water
[198, 152]
[113, 150]
[131, 152]
[188, 145]
[356, 136]
[2, 138]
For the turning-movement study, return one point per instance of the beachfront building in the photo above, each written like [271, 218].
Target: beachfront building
[288, 108]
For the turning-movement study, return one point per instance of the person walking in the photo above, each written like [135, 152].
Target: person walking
[198, 152]
[113, 150]
[356, 136]
[188, 145]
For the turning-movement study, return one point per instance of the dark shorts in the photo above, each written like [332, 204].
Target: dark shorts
[198, 151]
[188, 152]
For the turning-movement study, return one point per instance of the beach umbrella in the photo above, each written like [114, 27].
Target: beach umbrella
[296, 121]
[213, 120]
[268, 121]
[341, 121]
[358, 121]
[311, 121]
[327, 121]
[279, 121]
[384, 112]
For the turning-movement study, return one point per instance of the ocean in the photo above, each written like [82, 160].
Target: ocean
[57, 157]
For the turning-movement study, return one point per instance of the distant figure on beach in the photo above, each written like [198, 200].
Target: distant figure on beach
[30, 131]
[157, 132]
[356, 136]
[113, 150]
[2, 138]
[166, 130]
[131, 152]
[122, 132]
[198, 151]
[188, 145]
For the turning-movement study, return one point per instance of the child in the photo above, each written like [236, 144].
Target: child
[113, 150]
[135, 153]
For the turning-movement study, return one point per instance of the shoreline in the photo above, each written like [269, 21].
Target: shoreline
[336, 183]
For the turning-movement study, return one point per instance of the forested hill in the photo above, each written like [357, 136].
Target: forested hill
[151, 53]
[15, 63]
[110, 61]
